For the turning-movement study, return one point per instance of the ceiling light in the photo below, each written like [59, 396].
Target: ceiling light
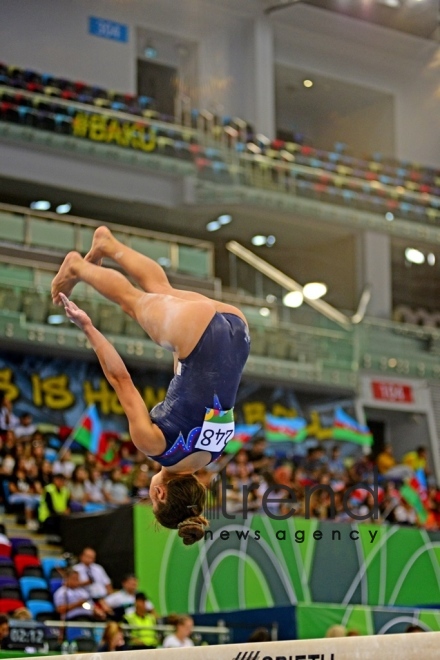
[314, 290]
[56, 319]
[265, 311]
[431, 259]
[293, 299]
[213, 226]
[40, 205]
[224, 219]
[63, 208]
[414, 256]
[270, 241]
[270, 298]
[389, 216]
[258, 240]
[308, 83]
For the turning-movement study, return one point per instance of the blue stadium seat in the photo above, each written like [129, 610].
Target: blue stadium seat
[36, 607]
[49, 563]
[54, 584]
[28, 583]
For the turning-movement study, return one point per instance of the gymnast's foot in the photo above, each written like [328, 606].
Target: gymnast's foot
[66, 278]
[101, 244]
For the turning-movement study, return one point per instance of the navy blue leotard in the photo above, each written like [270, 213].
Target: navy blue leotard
[208, 378]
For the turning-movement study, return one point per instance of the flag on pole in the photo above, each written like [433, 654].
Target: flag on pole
[409, 492]
[284, 429]
[88, 431]
[348, 429]
[243, 433]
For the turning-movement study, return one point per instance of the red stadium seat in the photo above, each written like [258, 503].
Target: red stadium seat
[10, 604]
[21, 561]
[5, 550]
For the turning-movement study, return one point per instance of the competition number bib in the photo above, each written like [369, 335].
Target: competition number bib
[218, 428]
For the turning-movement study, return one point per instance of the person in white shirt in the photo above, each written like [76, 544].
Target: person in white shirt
[181, 637]
[64, 465]
[120, 600]
[73, 602]
[92, 576]
[26, 427]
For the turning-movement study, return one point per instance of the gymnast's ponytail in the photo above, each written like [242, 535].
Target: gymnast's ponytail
[183, 508]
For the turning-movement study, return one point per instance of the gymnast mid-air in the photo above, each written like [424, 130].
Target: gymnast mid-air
[210, 342]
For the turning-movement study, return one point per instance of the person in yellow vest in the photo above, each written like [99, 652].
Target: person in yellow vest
[144, 620]
[417, 460]
[55, 502]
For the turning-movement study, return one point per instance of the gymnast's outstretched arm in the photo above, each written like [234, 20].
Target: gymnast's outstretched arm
[146, 436]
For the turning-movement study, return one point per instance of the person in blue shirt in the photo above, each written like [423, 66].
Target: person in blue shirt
[210, 342]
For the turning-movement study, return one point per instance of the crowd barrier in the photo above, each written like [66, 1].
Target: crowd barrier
[414, 646]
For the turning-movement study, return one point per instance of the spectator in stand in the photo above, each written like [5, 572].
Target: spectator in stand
[145, 637]
[25, 428]
[141, 484]
[73, 603]
[8, 421]
[112, 638]
[257, 456]
[78, 494]
[260, 635]
[92, 576]
[45, 473]
[417, 461]
[388, 466]
[335, 464]
[181, 637]
[94, 486]
[315, 460]
[4, 631]
[38, 449]
[64, 464]
[55, 503]
[115, 491]
[23, 490]
[336, 631]
[121, 600]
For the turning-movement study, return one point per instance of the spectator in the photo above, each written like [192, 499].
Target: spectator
[144, 620]
[4, 631]
[336, 631]
[335, 464]
[64, 464]
[73, 603]
[141, 483]
[55, 503]
[417, 461]
[21, 614]
[115, 491]
[92, 576]
[120, 600]
[8, 421]
[78, 494]
[45, 473]
[94, 486]
[385, 460]
[23, 491]
[25, 428]
[181, 636]
[112, 638]
[260, 635]
[414, 629]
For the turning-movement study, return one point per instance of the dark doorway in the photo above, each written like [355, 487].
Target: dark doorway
[159, 82]
[378, 429]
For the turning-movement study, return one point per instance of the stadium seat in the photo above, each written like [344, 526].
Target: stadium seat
[33, 571]
[28, 583]
[8, 581]
[37, 607]
[54, 584]
[5, 550]
[40, 594]
[50, 566]
[26, 549]
[7, 570]
[23, 561]
[10, 604]
[11, 591]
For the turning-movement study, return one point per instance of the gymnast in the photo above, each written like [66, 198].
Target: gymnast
[210, 343]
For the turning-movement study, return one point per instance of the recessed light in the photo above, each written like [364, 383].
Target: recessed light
[293, 299]
[265, 311]
[308, 83]
[213, 226]
[63, 208]
[270, 240]
[431, 259]
[314, 290]
[40, 205]
[56, 319]
[414, 256]
[224, 219]
[258, 240]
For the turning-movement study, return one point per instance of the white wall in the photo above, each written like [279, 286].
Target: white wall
[386, 60]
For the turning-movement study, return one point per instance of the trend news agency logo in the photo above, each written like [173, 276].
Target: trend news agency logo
[214, 511]
[256, 655]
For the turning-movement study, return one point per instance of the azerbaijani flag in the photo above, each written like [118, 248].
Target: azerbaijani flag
[88, 431]
[282, 429]
[243, 433]
[348, 429]
[410, 493]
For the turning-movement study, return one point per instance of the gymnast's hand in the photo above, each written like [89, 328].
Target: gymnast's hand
[74, 313]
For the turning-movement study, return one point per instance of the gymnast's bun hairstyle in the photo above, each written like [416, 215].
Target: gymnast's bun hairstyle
[183, 508]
